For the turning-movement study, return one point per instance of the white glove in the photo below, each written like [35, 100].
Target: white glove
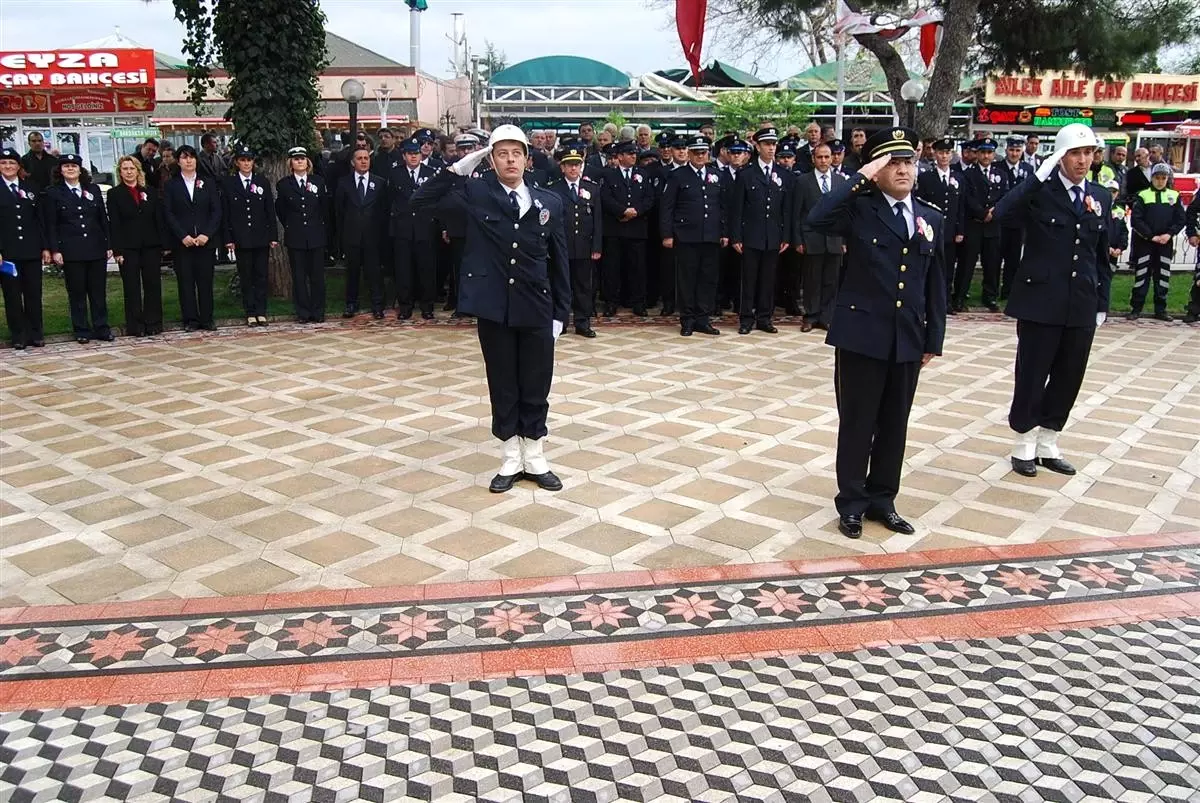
[1049, 164]
[466, 165]
[1101, 317]
[556, 328]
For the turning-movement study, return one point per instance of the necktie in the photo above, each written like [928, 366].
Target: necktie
[13, 188]
[824, 183]
[575, 190]
[362, 187]
[1078, 195]
[700, 175]
[303, 185]
[945, 181]
[246, 184]
[900, 216]
[516, 205]
[626, 172]
[767, 172]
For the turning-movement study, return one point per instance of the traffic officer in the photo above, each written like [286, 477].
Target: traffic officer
[1158, 215]
[627, 196]
[760, 228]
[692, 226]
[412, 236]
[941, 189]
[1059, 296]
[889, 321]
[361, 208]
[1012, 238]
[1118, 224]
[192, 213]
[248, 218]
[302, 206]
[22, 242]
[518, 288]
[737, 154]
[580, 197]
[985, 186]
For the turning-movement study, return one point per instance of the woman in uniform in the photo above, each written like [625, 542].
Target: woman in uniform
[76, 232]
[302, 206]
[192, 213]
[133, 224]
[21, 244]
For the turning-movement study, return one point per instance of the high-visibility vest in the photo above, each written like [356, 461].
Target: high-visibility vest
[1169, 196]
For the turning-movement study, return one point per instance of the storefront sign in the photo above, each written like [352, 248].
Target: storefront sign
[1142, 91]
[79, 102]
[134, 133]
[1044, 116]
[66, 70]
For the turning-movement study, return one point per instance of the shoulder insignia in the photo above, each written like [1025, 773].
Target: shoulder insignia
[934, 207]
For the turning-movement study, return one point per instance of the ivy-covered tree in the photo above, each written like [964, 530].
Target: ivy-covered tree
[1101, 39]
[272, 52]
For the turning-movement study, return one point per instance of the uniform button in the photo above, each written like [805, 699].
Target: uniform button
[512, 281]
[516, 225]
[470, 275]
[514, 245]
[1051, 220]
[511, 262]
[853, 307]
[1076, 229]
[903, 268]
[1075, 258]
[873, 241]
[902, 250]
[1073, 274]
[901, 285]
[898, 304]
[1076, 242]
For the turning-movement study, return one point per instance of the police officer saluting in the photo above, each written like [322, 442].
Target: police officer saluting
[248, 217]
[889, 321]
[302, 206]
[760, 228]
[1158, 215]
[580, 198]
[21, 243]
[1059, 295]
[516, 282]
[692, 225]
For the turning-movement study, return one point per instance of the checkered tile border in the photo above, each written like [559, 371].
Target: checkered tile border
[80, 649]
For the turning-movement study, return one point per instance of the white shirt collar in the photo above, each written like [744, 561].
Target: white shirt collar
[943, 173]
[358, 176]
[909, 217]
[245, 176]
[1066, 183]
[825, 173]
[524, 199]
[300, 177]
[765, 166]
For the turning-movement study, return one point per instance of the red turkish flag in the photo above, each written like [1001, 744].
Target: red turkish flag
[931, 40]
[689, 20]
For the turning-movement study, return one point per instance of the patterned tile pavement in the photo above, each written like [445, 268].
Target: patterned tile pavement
[1107, 713]
[351, 457]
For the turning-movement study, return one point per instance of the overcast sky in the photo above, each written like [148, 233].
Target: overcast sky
[635, 36]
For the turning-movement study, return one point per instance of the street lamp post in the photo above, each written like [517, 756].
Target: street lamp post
[353, 92]
[912, 92]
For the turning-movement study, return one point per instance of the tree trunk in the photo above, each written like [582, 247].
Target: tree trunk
[279, 270]
[933, 118]
[892, 64]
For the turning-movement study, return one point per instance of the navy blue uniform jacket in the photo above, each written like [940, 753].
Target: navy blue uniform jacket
[691, 211]
[248, 217]
[407, 223]
[191, 217]
[1064, 276]
[303, 214]
[21, 235]
[946, 197]
[75, 227]
[617, 195]
[983, 190]
[760, 210]
[891, 303]
[514, 272]
[583, 221]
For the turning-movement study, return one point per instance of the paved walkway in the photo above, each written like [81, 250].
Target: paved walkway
[340, 458]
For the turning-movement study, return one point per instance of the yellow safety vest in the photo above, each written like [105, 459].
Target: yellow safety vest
[1169, 196]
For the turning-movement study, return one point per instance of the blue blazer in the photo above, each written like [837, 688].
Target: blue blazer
[248, 218]
[75, 227]
[191, 217]
[514, 271]
[692, 212]
[21, 234]
[891, 302]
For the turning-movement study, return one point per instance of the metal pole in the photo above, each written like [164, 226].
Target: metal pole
[841, 84]
[910, 113]
[353, 123]
[414, 38]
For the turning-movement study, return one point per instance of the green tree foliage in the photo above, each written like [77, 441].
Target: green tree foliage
[615, 117]
[743, 109]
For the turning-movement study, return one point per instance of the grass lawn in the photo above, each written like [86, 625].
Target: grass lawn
[228, 305]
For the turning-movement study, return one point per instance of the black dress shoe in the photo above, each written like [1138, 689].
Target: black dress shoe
[350, 311]
[403, 315]
[993, 307]
[377, 315]
[586, 332]
[768, 328]
[501, 483]
[318, 319]
[850, 525]
[685, 331]
[892, 521]
[1057, 465]
[427, 316]
[640, 312]
[1133, 315]
[952, 311]
[708, 329]
[448, 306]
[610, 312]
[107, 337]
[547, 482]
[209, 327]
[19, 346]
[37, 344]
[667, 310]
[1162, 316]
[745, 329]
[807, 326]
[82, 340]
[1026, 468]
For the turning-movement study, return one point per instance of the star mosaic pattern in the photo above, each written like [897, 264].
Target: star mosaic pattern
[1102, 714]
[31, 650]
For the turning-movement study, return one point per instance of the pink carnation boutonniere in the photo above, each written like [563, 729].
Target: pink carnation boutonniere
[199, 183]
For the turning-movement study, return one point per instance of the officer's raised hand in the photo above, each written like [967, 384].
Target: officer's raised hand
[872, 168]
[466, 165]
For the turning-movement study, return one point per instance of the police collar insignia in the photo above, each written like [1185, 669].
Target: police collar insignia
[543, 216]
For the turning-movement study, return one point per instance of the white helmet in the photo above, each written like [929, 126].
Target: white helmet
[1074, 135]
[509, 133]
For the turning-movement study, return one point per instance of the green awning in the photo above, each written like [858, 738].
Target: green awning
[823, 77]
[560, 71]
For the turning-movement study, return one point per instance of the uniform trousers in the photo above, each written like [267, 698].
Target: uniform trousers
[951, 251]
[415, 274]
[194, 275]
[729, 281]
[1193, 306]
[668, 267]
[308, 282]
[141, 279]
[583, 305]
[85, 290]
[23, 301]
[874, 398]
[697, 269]
[789, 284]
[980, 248]
[820, 286]
[657, 267]
[758, 285]
[252, 278]
[628, 255]
[519, 363]
[1051, 362]
[363, 261]
[1011, 242]
[1151, 266]
[457, 246]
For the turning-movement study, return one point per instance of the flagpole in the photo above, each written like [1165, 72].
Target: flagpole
[840, 45]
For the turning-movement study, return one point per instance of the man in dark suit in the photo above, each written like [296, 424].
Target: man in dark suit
[692, 226]
[627, 197]
[192, 213]
[584, 226]
[22, 242]
[985, 186]
[890, 320]
[516, 282]
[302, 206]
[1060, 294]
[1012, 238]
[248, 218]
[760, 228]
[412, 235]
[821, 259]
[941, 188]
[804, 153]
[361, 208]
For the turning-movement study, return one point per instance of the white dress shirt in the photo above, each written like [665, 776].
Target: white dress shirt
[910, 222]
[190, 183]
[828, 174]
[524, 201]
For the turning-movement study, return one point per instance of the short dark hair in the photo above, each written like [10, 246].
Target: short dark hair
[207, 138]
[364, 148]
[384, 130]
[824, 145]
[857, 130]
[151, 141]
